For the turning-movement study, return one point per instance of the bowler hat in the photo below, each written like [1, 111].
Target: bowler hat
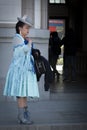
[25, 19]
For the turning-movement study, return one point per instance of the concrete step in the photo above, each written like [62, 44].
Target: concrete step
[66, 109]
[47, 115]
[80, 126]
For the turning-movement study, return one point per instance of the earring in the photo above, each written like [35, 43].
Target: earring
[20, 32]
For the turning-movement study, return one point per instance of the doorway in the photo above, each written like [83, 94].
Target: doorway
[58, 25]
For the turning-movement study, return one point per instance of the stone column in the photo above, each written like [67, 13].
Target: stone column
[9, 11]
[44, 14]
[40, 39]
[37, 14]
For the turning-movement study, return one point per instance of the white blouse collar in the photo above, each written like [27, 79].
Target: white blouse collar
[18, 35]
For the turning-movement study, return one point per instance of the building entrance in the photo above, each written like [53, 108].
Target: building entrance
[58, 25]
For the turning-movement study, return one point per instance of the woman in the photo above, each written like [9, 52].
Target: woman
[21, 80]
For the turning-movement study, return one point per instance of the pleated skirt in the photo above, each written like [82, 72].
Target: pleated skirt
[22, 83]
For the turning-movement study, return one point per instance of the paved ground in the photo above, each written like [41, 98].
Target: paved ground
[67, 105]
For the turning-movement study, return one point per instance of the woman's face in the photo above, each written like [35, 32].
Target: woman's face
[24, 30]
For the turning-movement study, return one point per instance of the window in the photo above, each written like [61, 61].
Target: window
[57, 25]
[57, 1]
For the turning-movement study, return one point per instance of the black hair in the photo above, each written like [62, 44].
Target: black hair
[19, 24]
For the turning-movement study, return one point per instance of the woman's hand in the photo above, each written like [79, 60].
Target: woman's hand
[29, 42]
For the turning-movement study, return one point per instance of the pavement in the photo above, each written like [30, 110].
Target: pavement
[65, 109]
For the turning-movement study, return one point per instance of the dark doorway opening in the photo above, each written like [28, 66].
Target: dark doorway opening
[58, 25]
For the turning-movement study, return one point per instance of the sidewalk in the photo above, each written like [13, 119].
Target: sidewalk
[66, 108]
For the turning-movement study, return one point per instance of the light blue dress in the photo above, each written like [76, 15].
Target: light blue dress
[21, 78]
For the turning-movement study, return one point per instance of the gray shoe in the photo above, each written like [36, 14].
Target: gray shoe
[22, 119]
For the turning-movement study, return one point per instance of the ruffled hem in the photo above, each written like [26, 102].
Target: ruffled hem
[23, 85]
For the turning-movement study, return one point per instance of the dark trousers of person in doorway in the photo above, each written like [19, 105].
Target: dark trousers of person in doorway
[69, 68]
[53, 62]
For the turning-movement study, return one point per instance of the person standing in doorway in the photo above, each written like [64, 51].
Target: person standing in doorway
[54, 52]
[70, 51]
[21, 81]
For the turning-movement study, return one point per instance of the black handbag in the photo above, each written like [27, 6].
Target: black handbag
[39, 67]
[38, 63]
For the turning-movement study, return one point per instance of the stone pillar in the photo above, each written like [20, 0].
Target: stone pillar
[44, 14]
[40, 39]
[9, 11]
[37, 14]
